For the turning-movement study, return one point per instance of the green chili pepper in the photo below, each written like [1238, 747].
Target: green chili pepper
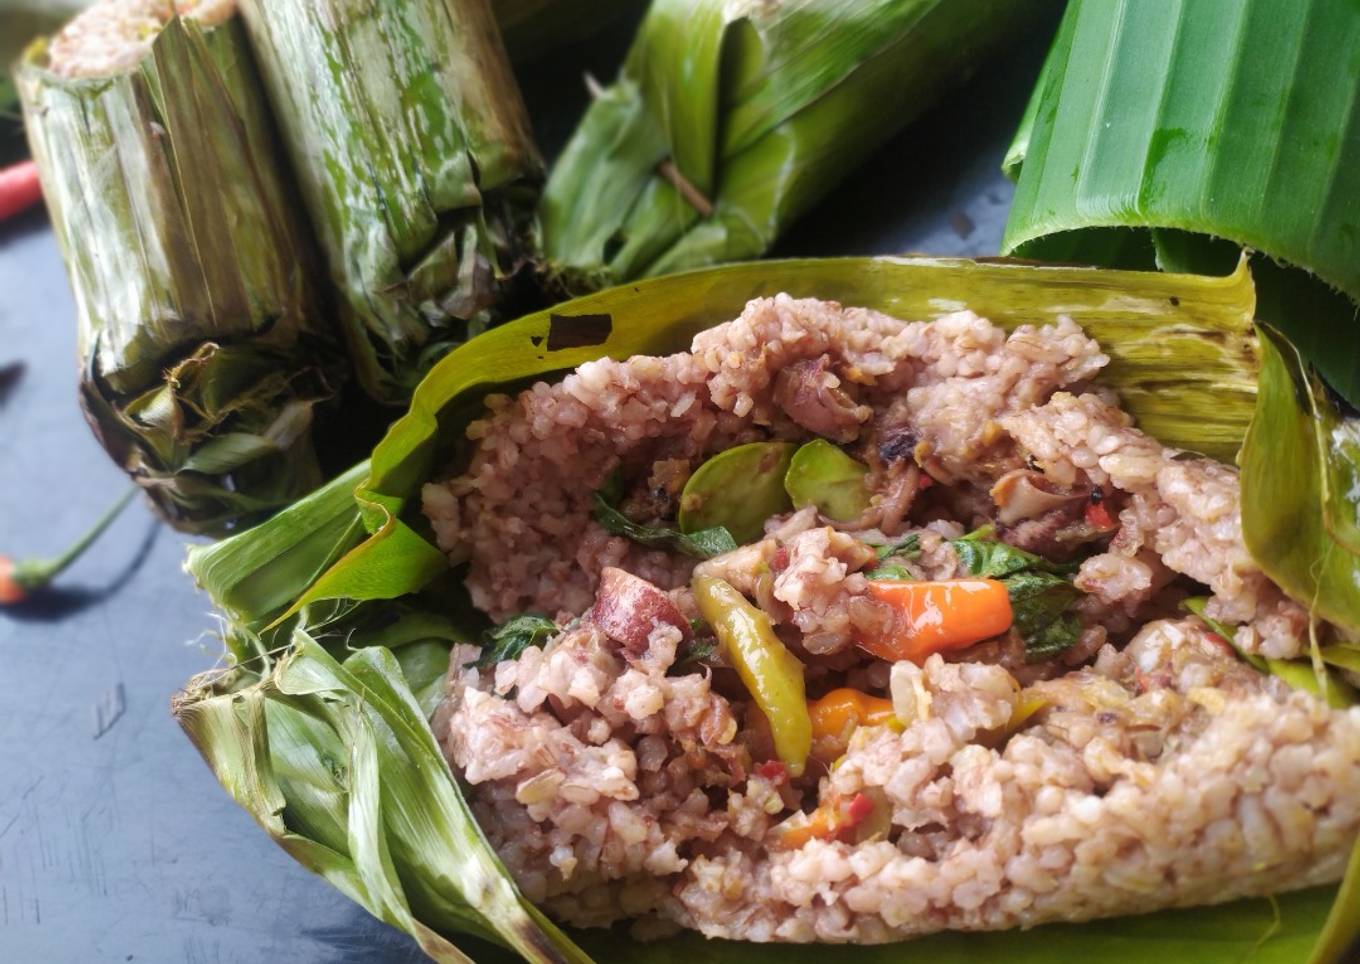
[772, 674]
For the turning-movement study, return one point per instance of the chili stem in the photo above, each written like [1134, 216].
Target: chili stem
[36, 573]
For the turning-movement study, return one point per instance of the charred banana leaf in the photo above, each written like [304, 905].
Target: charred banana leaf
[204, 347]
[414, 153]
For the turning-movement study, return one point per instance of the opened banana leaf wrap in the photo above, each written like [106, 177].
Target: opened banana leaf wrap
[205, 349]
[319, 728]
[416, 162]
[1173, 136]
[730, 120]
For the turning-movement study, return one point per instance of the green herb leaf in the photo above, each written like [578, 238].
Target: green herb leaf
[983, 556]
[513, 637]
[697, 652]
[908, 548]
[1041, 591]
[888, 572]
[704, 544]
[1040, 602]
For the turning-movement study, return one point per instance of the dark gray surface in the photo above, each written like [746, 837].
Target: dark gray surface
[116, 844]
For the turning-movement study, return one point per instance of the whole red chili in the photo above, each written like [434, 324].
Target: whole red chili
[20, 189]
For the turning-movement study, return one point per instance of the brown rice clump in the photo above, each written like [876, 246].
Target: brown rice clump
[112, 36]
[619, 776]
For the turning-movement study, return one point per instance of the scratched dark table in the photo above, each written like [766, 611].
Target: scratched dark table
[116, 844]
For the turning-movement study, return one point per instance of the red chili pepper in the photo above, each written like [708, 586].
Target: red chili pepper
[1219, 641]
[20, 189]
[1098, 516]
[12, 591]
[773, 770]
[859, 810]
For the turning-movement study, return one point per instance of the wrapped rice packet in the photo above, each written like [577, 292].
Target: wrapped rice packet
[730, 120]
[416, 162]
[205, 348]
[321, 727]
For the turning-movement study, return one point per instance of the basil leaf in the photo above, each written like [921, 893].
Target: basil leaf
[513, 637]
[704, 544]
[1040, 602]
[698, 652]
[908, 548]
[983, 556]
[888, 572]
[1041, 591]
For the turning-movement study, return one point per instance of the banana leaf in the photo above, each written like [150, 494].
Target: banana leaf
[255, 575]
[416, 162]
[326, 742]
[204, 347]
[1176, 134]
[1301, 487]
[730, 120]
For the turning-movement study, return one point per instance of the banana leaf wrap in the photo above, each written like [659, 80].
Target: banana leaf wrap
[204, 346]
[276, 726]
[413, 149]
[1173, 136]
[730, 120]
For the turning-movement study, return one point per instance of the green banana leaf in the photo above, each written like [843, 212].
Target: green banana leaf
[205, 351]
[416, 162]
[730, 120]
[255, 575]
[1156, 129]
[326, 742]
[1301, 487]
[339, 766]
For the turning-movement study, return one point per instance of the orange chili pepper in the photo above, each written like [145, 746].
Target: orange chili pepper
[931, 617]
[833, 820]
[839, 713]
